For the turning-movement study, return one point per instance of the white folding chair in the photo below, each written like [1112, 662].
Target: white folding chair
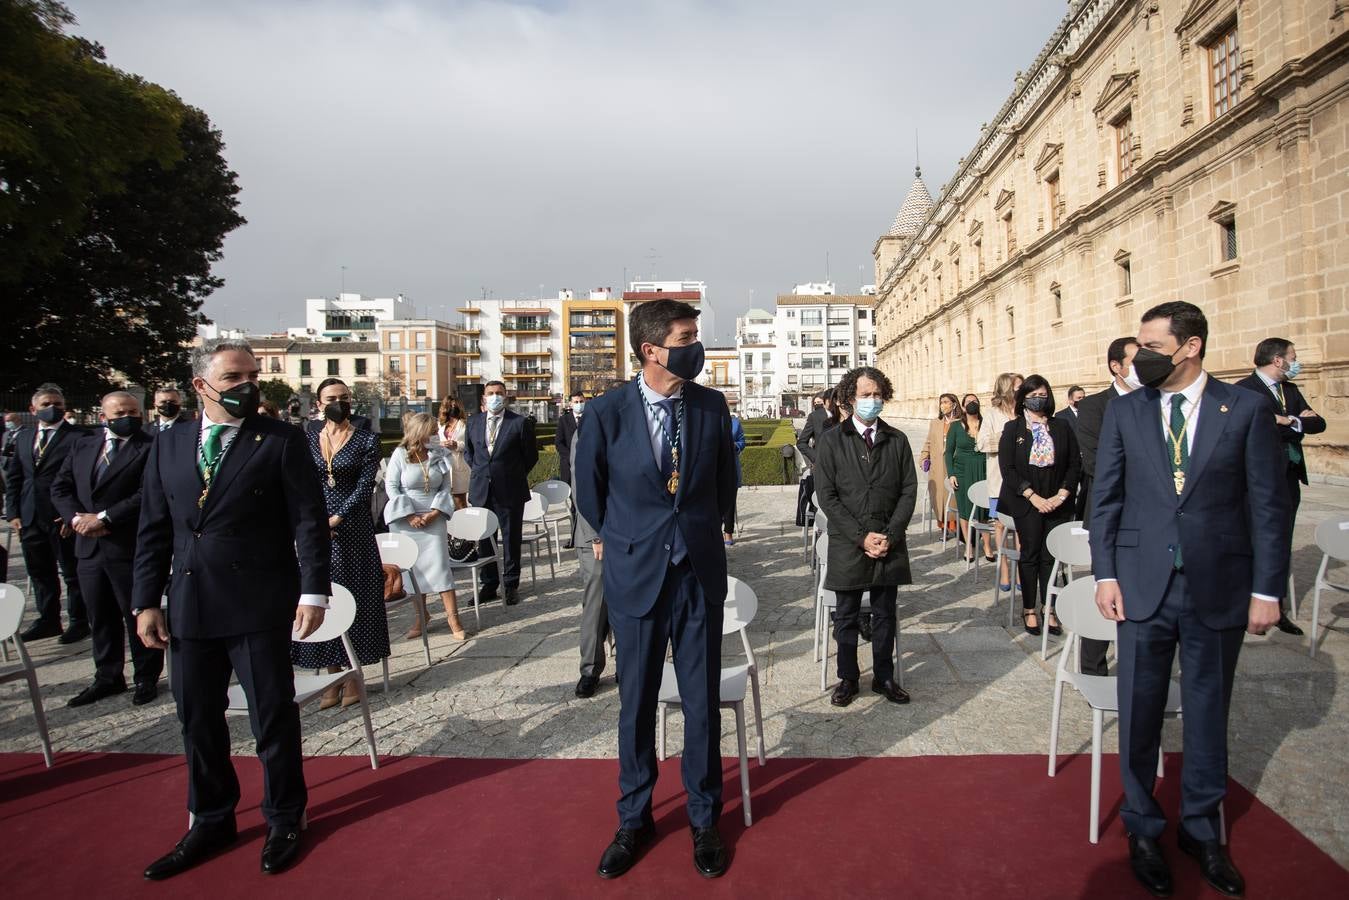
[473, 523]
[741, 607]
[978, 497]
[535, 529]
[336, 623]
[1013, 554]
[925, 503]
[396, 549]
[950, 515]
[1332, 536]
[11, 615]
[825, 601]
[819, 529]
[557, 511]
[1069, 546]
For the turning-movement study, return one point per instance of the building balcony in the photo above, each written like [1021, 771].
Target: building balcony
[527, 353]
[525, 328]
[527, 395]
[468, 332]
[531, 373]
[468, 354]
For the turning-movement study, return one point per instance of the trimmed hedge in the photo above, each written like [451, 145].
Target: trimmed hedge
[548, 466]
[761, 461]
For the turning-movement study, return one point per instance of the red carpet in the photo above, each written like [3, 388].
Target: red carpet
[963, 826]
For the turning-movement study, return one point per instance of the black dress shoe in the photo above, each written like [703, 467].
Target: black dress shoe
[76, 631]
[709, 853]
[1286, 625]
[890, 691]
[39, 630]
[622, 852]
[145, 693]
[512, 596]
[569, 545]
[199, 844]
[280, 850]
[95, 692]
[864, 628]
[1150, 868]
[487, 595]
[586, 686]
[845, 693]
[1214, 862]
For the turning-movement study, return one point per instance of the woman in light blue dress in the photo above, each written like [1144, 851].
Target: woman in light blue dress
[420, 504]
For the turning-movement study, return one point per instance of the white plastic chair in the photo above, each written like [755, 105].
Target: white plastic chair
[1069, 545]
[978, 497]
[1332, 536]
[401, 550]
[535, 529]
[741, 607]
[11, 614]
[336, 623]
[819, 529]
[826, 600]
[949, 515]
[557, 511]
[1013, 554]
[473, 523]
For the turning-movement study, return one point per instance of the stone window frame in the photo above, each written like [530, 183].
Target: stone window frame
[1123, 260]
[1202, 25]
[1048, 170]
[1056, 295]
[1114, 107]
[1011, 322]
[976, 236]
[1005, 208]
[1224, 217]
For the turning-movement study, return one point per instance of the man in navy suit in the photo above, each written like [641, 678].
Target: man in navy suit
[48, 546]
[228, 504]
[1276, 365]
[655, 475]
[98, 494]
[500, 449]
[1189, 551]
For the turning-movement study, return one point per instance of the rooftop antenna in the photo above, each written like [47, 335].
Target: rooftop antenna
[826, 265]
[652, 257]
[344, 280]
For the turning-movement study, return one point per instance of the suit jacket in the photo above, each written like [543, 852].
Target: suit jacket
[1296, 404]
[28, 480]
[151, 427]
[234, 560]
[817, 423]
[566, 435]
[1014, 448]
[1231, 521]
[1090, 416]
[1069, 415]
[78, 489]
[504, 474]
[620, 491]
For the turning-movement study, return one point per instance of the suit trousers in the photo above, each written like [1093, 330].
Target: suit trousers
[511, 520]
[882, 632]
[49, 558]
[1208, 662]
[594, 612]
[201, 677]
[107, 594]
[681, 617]
[1294, 499]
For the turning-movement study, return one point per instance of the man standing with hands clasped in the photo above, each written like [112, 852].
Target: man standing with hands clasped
[1189, 553]
[228, 504]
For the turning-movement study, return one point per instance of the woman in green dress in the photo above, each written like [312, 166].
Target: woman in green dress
[966, 465]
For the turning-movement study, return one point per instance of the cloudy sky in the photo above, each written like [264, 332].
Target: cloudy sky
[440, 149]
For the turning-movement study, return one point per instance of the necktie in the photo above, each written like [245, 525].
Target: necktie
[105, 461]
[1294, 451]
[1179, 443]
[210, 450]
[666, 451]
[493, 426]
[866, 436]
[44, 437]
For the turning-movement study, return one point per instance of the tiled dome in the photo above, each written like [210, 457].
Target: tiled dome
[915, 209]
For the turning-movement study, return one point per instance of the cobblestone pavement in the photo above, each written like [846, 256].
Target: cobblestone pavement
[977, 686]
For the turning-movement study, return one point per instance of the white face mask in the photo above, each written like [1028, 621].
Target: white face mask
[1132, 379]
[577, 408]
[495, 403]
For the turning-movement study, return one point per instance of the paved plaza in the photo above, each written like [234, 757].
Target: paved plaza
[977, 687]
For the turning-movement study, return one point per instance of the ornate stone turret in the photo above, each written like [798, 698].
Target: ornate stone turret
[912, 213]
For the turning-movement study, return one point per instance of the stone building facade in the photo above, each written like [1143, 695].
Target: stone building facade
[1172, 149]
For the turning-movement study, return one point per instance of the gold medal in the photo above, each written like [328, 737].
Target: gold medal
[673, 484]
[1179, 477]
[201, 501]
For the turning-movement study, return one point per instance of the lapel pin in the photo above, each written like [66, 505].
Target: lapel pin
[258, 437]
[1223, 408]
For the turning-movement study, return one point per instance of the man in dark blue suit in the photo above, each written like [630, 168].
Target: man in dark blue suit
[1189, 553]
[500, 449]
[655, 475]
[228, 504]
[98, 494]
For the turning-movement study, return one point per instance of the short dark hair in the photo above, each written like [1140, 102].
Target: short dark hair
[1187, 321]
[650, 321]
[1119, 348]
[488, 384]
[1075, 388]
[1033, 383]
[575, 394]
[846, 391]
[615, 386]
[328, 382]
[1269, 348]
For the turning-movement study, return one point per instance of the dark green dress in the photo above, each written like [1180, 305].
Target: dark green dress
[966, 463]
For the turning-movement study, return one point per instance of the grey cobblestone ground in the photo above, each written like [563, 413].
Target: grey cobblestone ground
[977, 687]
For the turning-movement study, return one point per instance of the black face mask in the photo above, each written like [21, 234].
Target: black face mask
[1152, 368]
[972, 408]
[168, 409]
[124, 427]
[337, 411]
[686, 361]
[241, 400]
[1037, 404]
[50, 414]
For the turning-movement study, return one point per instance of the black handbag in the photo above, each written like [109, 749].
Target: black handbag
[462, 551]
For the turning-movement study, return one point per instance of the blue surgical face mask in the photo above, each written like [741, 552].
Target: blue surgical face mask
[1294, 370]
[496, 403]
[868, 408]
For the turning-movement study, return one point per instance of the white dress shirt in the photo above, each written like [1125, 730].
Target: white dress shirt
[655, 416]
[1273, 386]
[110, 441]
[862, 427]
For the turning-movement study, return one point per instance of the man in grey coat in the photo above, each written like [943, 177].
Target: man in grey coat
[594, 612]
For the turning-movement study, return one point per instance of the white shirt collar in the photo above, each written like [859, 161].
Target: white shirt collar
[1119, 391]
[654, 397]
[1269, 382]
[43, 426]
[207, 423]
[1191, 393]
[863, 426]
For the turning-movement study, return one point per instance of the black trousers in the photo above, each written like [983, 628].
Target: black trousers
[1294, 499]
[107, 594]
[49, 558]
[201, 677]
[511, 520]
[1032, 533]
[728, 524]
[882, 632]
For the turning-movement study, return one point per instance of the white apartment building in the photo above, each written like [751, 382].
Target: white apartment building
[518, 342]
[350, 317]
[690, 292]
[756, 349]
[721, 372]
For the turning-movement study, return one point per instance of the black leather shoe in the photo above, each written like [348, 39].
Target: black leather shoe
[864, 628]
[890, 691]
[586, 686]
[512, 596]
[280, 850]
[1150, 868]
[199, 844]
[1214, 862]
[709, 853]
[76, 631]
[622, 852]
[1286, 625]
[845, 693]
[95, 692]
[487, 595]
[569, 545]
[145, 693]
[39, 630]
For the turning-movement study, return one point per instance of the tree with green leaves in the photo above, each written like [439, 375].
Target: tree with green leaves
[115, 200]
[277, 390]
